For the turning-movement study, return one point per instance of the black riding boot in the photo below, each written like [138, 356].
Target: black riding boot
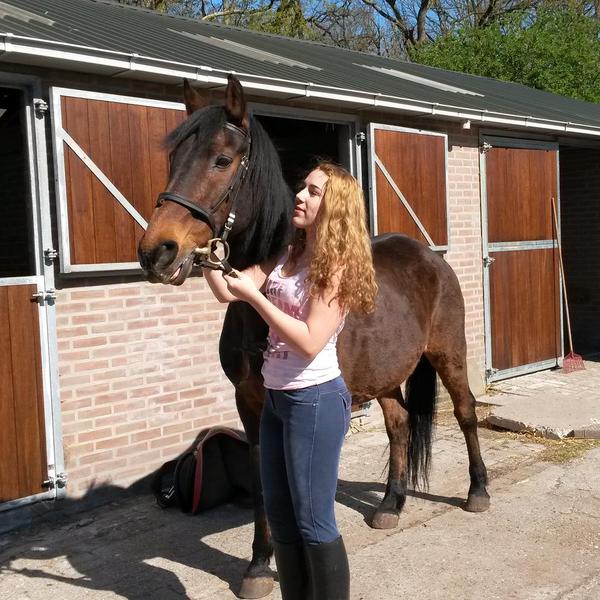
[328, 570]
[292, 571]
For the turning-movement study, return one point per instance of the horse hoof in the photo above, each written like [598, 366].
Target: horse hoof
[477, 503]
[256, 587]
[384, 520]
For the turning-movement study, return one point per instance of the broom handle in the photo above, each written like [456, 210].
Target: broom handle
[562, 272]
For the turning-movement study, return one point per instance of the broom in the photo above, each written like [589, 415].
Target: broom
[571, 362]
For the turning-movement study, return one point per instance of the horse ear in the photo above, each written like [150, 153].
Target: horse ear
[235, 103]
[193, 100]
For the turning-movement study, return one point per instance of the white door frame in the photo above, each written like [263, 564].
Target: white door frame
[35, 117]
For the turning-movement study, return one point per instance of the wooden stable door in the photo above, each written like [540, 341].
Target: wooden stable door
[23, 464]
[26, 434]
[408, 183]
[521, 263]
[112, 163]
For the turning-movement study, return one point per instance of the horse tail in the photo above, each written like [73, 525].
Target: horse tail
[421, 391]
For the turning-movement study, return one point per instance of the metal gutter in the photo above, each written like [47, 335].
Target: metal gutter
[124, 63]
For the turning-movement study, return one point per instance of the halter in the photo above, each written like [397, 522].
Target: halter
[207, 216]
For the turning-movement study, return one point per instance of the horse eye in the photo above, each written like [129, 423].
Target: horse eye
[223, 161]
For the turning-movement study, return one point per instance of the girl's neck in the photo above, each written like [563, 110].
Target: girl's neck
[309, 244]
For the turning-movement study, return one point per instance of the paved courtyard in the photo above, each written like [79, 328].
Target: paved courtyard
[539, 540]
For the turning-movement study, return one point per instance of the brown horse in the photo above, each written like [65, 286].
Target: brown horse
[225, 176]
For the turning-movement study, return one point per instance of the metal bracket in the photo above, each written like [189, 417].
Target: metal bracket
[60, 481]
[488, 260]
[490, 372]
[360, 137]
[51, 254]
[45, 296]
[40, 107]
[485, 147]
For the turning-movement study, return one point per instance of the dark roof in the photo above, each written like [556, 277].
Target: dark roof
[103, 28]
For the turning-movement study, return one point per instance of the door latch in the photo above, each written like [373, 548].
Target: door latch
[50, 254]
[490, 372]
[485, 147]
[45, 296]
[488, 260]
[60, 481]
[40, 107]
[360, 137]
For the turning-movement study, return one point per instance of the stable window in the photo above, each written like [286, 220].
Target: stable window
[111, 165]
[408, 183]
[16, 247]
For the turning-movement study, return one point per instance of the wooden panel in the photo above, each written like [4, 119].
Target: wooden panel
[23, 459]
[173, 118]
[392, 215]
[79, 184]
[9, 478]
[416, 163]
[159, 164]
[525, 318]
[140, 149]
[126, 142]
[121, 160]
[105, 206]
[520, 182]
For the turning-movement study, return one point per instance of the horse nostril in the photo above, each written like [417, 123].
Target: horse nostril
[164, 254]
[144, 259]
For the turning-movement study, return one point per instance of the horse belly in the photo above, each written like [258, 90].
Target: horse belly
[377, 355]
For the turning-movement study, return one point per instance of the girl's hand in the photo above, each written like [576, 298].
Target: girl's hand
[241, 286]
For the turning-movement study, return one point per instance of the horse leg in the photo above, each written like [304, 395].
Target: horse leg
[396, 423]
[452, 369]
[257, 581]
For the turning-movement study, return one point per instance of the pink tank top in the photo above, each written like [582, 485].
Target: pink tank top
[283, 368]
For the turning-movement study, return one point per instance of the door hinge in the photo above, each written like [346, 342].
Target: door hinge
[40, 107]
[488, 260]
[60, 481]
[360, 137]
[50, 254]
[45, 296]
[485, 147]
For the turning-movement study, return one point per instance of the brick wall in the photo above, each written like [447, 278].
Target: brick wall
[465, 250]
[139, 377]
[580, 222]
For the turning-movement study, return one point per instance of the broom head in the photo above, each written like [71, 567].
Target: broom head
[573, 362]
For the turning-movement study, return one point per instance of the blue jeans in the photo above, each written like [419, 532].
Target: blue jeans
[301, 436]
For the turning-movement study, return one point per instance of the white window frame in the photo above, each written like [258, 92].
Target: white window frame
[373, 182]
[59, 138]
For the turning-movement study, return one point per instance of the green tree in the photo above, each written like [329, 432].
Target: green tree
[553, 49]
[286, 19]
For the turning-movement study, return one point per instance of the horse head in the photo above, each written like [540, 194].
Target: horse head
[217, 174]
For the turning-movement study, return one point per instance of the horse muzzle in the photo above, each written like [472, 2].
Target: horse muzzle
[162, 263]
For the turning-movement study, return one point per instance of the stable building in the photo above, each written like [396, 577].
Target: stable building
[107, 376]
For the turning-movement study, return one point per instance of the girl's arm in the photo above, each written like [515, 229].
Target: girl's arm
[257, 273]
[308, 337]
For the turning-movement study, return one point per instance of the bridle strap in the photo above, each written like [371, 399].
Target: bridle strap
[197, 211]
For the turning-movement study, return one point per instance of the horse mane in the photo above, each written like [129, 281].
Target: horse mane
[268, 226]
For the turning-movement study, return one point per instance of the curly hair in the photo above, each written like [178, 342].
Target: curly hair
[342, 243]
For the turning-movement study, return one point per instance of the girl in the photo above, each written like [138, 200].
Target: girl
[304, 297]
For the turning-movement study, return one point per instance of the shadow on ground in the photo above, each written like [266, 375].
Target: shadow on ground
[122, 549]
[364, 497]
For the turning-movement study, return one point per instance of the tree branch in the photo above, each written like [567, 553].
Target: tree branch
[237, 11]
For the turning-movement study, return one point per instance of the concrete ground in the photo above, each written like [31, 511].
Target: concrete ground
[539, 540]
[553, 404]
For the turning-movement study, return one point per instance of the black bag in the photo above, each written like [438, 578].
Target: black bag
[214, 470]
